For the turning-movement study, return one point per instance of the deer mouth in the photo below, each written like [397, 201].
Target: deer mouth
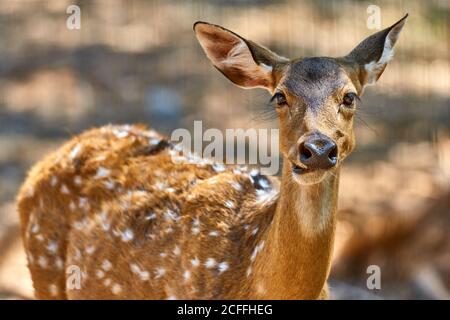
[299, 170]
[307, 176]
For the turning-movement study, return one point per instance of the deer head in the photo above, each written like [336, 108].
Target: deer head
[316, 98]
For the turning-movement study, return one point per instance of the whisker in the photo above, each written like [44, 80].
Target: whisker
[368, 126]
[266, 113]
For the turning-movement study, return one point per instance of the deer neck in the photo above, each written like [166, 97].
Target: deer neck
[299, 244]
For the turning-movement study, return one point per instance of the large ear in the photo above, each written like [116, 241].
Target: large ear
[371, 56]
[242, 61]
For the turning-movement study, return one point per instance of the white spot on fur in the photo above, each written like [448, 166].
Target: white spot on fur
[229, 204]
[264, 183]
[53, 181]
[135, 268]
[77, 180]
[223, 266]
[212, 180]
[107, 282]
[171, 215]
[176, 251]
[72, 206]
[196, 222]
[102, 173]
[83, 202]
[64, 189]
[261, 245]
[100, 274]
[159, 272]
[249, 271]
[236, 185]
[40, 237]
[163, 254]
[106, 265]
[195, 262]
[255, 231]
[116, 288]
[195, 230]
[218, 167]
[254, 172]
[266, 197]
[256, 250]
[100, 158]
[35, 228]
[127, 235]
[171, 298]
[59, 263]
[186, 275]
[120, 133]
[52, 247]
[75, 150]
[143, 274]
[106, 225]
[150, 216]
[90, 250]
[210, 263]
[154, 141]
[42, 261]
[168, 230]
[195, 226]
[160, 185]
[109, 184]
[213, 233]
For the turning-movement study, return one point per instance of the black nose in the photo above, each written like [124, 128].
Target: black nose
[318, 152]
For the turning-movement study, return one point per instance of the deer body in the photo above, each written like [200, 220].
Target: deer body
[111, 215]
[112, 203]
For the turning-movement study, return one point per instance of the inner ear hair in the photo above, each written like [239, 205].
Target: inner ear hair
[242, 61]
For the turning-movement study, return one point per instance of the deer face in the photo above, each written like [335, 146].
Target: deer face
[315, 98]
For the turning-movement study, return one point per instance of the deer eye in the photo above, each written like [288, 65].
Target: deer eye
[279, 98]
[349, 98]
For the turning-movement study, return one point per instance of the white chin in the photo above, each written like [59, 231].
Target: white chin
[309, 178]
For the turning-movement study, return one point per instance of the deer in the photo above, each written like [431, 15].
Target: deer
[112, 204]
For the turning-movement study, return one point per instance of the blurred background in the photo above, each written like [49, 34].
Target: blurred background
[138, 61]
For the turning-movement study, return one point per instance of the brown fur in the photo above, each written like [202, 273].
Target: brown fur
[113, 203]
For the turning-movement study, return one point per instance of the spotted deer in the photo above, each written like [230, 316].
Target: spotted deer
[112, 204]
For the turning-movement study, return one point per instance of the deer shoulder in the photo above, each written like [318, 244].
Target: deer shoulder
[123, 200]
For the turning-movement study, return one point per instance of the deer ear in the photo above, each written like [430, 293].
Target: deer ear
[371, 56]
[244, 62]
